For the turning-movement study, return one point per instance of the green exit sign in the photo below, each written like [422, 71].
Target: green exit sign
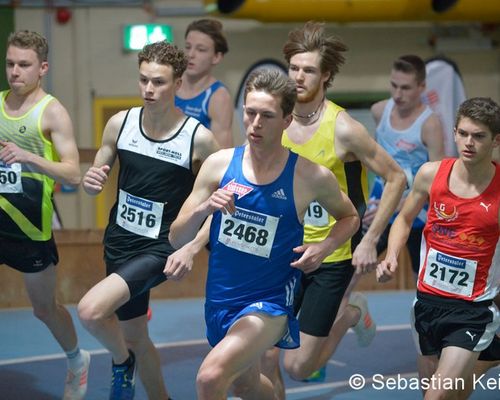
[135, 37]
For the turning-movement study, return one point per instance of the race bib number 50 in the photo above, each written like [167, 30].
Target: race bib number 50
[449, 273]
[140, 216]
[249, 231]
[10, 178]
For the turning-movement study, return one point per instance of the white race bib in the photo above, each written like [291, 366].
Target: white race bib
[449, 273]
[140, 216]
[10, 178]
[248, 231]
[316, 215]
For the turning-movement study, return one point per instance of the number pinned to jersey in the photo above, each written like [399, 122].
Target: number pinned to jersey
[138, 215]
[10, 178]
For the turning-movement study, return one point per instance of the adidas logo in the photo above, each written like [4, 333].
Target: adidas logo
[279, 194]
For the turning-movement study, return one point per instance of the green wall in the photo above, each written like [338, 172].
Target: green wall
[6, 27]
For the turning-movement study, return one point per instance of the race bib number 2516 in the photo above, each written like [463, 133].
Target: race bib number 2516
[140, 216]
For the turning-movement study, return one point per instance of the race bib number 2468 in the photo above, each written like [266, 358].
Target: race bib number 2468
[248, 231]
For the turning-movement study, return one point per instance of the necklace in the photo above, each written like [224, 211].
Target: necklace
[310, 115]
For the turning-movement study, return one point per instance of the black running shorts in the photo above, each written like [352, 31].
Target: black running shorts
[28, 256]
[141, 274]
[319, 296]
[441, 322]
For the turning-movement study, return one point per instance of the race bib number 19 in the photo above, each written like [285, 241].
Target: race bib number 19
[449, 273]
[10, 178]
[140, 216]
[316, 215]
[249, 231]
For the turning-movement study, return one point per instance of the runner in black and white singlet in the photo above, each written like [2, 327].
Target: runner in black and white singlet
[144, 208]
[160, 151]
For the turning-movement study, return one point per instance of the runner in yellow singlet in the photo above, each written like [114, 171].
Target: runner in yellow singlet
[37, 148]
[325, 133]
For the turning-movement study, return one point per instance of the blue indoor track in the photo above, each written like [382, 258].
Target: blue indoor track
[32, 366]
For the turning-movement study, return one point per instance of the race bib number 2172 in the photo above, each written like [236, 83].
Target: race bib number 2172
[449, 273]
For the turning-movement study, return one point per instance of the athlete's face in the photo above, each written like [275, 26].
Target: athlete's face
[474, 141]
[305, 70]
[200, 51]
[405, 90]
[24, 70]
[263, 118]
[157, 84]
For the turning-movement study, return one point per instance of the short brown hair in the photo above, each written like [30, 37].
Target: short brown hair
[166, 54]
[411, 64]
[30, 40]
[276, 83]
[483, 110]
[312, 37]
[212, 28]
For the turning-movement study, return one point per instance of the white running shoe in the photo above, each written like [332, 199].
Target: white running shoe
[366, 328]
[76, 382]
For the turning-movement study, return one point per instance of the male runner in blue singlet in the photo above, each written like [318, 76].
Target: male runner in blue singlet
[258, 195]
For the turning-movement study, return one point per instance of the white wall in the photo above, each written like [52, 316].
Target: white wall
[87, 61]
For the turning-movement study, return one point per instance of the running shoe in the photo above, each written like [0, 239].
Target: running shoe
[317, 376]
[76, 382]
[366, 328]
[123, 381]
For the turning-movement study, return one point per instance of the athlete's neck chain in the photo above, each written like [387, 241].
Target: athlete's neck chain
[310, 115]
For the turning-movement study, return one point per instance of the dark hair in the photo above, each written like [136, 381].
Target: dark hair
[276, 83]
[483, 110]
[30, 40]
[312, 37]
[166, 54]
[411, 64]
[212, 28]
